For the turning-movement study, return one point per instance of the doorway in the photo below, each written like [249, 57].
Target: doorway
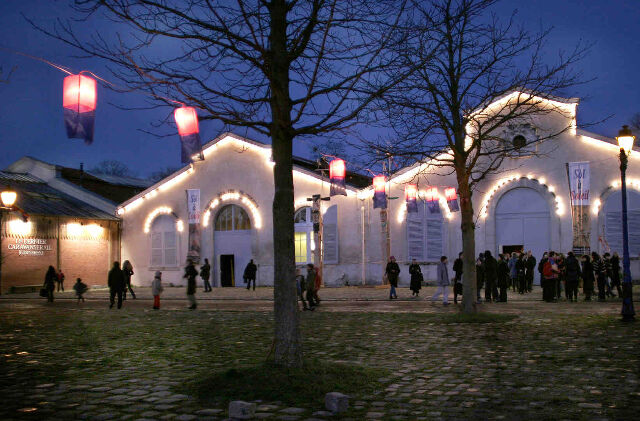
[511, 248]
[227, 270]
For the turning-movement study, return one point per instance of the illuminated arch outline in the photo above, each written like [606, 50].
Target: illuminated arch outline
[402, 211]
[237, 196]
[162, 210]
[615, 185]
[486, 203]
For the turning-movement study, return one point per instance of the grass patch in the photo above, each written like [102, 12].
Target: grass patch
[477, 318]
[296, 387]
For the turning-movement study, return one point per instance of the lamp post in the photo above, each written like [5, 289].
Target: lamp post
[7, 201]
[625, 141]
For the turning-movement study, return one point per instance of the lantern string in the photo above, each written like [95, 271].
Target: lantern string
[57, 66]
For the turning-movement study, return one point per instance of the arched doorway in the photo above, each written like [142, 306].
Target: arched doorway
[523, 221]
[232, 245]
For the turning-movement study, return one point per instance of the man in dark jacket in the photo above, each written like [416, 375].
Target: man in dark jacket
[503, 278]
[573, 273]
[190, 273]
[205, 272]
[490, 277]
[458, 266]
[116, 284]
[250, 274]
[392, 270]
[530, 267]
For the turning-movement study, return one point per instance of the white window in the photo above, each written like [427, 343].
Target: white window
[330, 250]
[613, 222]
[232, 218]
[303, 235]
[425, 233]
[164, 242]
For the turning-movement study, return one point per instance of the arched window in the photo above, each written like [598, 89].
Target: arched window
[613, 221]
[164, 242]
[232, 218]
[303, 235]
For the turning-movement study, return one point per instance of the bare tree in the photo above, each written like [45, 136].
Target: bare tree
[635, 121]
[441, 114]
[112, 167]
[281, 68]
[162, 173]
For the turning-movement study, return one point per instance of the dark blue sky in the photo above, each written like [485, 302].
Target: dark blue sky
[31, 108]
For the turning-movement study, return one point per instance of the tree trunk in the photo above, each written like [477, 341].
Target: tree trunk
[467, 225]
[288, 345]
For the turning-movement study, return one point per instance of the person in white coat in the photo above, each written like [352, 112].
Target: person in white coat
[156, 289]
[443, 282]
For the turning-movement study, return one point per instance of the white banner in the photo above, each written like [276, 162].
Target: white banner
[193, 206]
[579, 175]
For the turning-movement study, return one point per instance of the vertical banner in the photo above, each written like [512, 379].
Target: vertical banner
[579, 175]
[193, 210]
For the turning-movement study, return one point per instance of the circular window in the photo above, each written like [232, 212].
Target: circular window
[519, 141]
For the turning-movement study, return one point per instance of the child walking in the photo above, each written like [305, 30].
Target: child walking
[80, 288]
[156, 289]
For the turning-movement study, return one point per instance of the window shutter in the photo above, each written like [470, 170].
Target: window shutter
[330, 235]
[170, 249]
[434, 238]
[415, 233]
[613, 231]
[633, 223]
[156, 249]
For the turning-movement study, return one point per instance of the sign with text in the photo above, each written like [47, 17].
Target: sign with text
[30, 246]
[579, 175]
[579, 185]
[193, 210]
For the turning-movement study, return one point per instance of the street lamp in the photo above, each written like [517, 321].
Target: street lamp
[8, 198]
[625, 141]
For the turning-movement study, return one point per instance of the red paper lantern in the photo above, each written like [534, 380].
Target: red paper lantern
[379, 183]
[186, 120]
[431, 194]
[450, 193]
[337, 169]
[410, 192]
[79, 93]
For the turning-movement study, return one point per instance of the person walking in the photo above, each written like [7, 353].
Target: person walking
[530, 266]
[513, 272]
[205, 272]
[520, 273]
[490, 277]
[587, 277]
[479, 276]
[156, 289]
[310, 283]
[392, 270]
[599, 272]
[608, 273]
[116, 285]
[300, 287]
[317, 283]
[60, 280]
[615, 272]
[572, 275]
[443, 282]
[50, 279]
[416, 278]
[562, 271]
[550, 273]
[543, 280]
[503, 278]
[250, 274]
[80, 288]
[190, 273]
[127, 271]
[458, 267]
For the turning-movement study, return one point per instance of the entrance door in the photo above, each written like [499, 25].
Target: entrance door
[227, 270]
[522, 220]
[511, 248]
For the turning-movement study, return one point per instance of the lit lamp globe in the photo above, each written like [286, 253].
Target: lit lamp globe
[625, 139]
[8, 198]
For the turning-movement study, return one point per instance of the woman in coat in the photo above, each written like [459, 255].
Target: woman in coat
[392, 272]
[599, 271]
[416, 278]
[127, 271]
[587, 277]
[50, 280]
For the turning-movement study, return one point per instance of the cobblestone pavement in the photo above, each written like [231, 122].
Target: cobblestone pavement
[550, 361]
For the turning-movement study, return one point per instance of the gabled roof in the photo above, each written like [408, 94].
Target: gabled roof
[301, 165]
[102, 185]
[523, 91]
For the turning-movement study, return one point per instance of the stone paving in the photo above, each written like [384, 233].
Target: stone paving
[550, 361]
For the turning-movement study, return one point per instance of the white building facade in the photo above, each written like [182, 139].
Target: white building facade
[526, 205]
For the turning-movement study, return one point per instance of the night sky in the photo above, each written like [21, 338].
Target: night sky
[31, 109]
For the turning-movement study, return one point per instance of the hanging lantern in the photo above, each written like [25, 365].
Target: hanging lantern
[410, 195]
[433, 200]
[452, 199]
[379, 192]
[337, 172]
[79, 103]
[187, 122]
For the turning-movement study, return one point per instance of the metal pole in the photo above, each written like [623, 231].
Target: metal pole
[628, 311]
[364, 249]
